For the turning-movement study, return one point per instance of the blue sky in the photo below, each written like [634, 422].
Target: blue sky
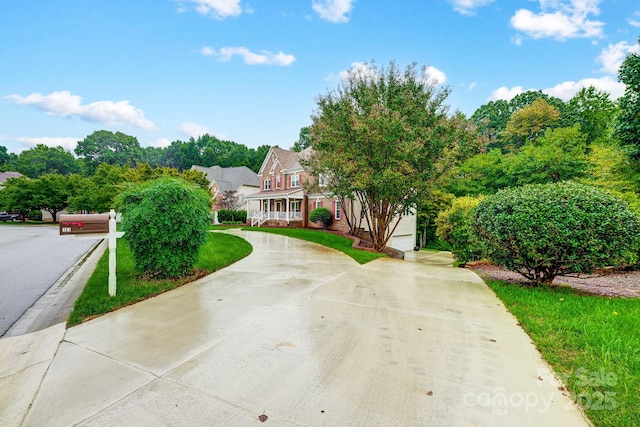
[250, 71]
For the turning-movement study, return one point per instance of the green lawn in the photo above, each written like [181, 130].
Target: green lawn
[592, 343]
[330, 240]
[220, 251]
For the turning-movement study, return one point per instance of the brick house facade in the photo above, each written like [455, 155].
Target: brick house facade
[283, 200]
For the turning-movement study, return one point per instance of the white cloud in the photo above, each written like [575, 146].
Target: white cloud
[68, 143]
[613, 55]
[250, 58]
[161, 143]
[467, 7]
[363, 70]
[560, 19]
[505, 93]
[566, 90]
[333, 10]
[635, 20]
[207, 51]
[194, 130]
[471, 86]
[64, 104]
[433, 75]
[218, 9]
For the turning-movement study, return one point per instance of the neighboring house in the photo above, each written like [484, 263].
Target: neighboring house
[4, 176]
[283, 200]
[238, 182]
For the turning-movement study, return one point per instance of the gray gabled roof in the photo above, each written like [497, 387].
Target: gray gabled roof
[4, 176]
[229, 179]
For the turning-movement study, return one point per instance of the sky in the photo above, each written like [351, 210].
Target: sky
[251, 71]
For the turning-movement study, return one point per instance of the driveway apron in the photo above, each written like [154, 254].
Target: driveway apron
[300, 335]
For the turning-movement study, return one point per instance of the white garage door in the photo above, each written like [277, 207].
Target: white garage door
[403, 242]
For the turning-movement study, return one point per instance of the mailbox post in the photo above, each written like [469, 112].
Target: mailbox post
[112, 252]
[95, 226]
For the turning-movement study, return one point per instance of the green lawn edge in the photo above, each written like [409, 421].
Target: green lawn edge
[330, 240]
[220, 250]
[591, 342]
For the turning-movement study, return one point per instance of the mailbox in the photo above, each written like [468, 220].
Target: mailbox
[84, 224]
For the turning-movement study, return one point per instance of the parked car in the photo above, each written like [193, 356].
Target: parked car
[4, 216]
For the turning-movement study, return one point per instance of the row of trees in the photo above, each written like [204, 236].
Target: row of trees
[55, 192]
[105, 147]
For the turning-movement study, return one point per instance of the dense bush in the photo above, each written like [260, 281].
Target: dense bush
[35, 215]
[321, 216]
[454, 226]
[230, 216]
[541, 231]
[165, 222]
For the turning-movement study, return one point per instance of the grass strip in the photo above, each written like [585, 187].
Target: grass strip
[342, 244]
[591, 342]
[219, 251]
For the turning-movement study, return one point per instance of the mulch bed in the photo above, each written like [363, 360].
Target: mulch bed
[612, 283]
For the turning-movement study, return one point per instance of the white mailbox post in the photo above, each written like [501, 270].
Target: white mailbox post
[92, 226]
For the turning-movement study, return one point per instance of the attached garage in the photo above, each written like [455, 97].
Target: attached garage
[403, 242]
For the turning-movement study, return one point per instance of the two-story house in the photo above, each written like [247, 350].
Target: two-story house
[284, 201]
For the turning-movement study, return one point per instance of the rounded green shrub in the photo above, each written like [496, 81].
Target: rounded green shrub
[232, 216]
[541, 231]
[321, 216]
[165, 222]
[454, 226]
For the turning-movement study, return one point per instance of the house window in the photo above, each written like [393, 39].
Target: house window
[318, 204]
[337, 212]
[267, 184]
[265, 206]
[295, 180]
[295, 206]
[277, 181]
[323, 181]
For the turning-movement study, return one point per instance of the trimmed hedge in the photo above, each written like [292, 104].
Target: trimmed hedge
[165, 222]
[541, 231]
[231, 216]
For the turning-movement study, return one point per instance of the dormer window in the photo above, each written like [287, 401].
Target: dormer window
[267, 184]
[277, 181]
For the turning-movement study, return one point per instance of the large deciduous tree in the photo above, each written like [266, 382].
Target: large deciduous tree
[528, 123]
[593, 110]
[384, 136]
[107, 147]
[44, 159]
[627, 127]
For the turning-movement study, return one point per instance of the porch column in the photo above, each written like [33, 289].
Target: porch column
[286, 200]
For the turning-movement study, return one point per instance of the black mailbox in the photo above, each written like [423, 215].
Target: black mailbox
[84, 224]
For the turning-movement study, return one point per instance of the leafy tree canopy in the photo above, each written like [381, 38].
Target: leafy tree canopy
[107, 147]
[44, 159]
[384, 136]
[303, 140]
[627, 127]
[528, 123]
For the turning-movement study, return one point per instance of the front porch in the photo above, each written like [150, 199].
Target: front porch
[276, 209]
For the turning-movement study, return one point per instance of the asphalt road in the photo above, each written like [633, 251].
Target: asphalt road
[32, 259]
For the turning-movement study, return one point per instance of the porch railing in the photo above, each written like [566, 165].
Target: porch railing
[260, 217]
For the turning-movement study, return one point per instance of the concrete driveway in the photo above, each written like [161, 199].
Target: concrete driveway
[302, 336]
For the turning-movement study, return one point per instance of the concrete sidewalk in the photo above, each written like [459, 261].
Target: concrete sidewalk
[301, 335]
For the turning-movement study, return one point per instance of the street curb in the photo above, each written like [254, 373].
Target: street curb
[55, 305]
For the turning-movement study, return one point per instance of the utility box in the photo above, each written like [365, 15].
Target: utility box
[84, 224]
